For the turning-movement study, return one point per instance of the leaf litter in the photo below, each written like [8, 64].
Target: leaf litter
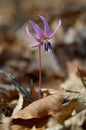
[18, 59]
[42, 107]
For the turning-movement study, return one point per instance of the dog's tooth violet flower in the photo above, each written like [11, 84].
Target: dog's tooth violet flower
[42, 37]
[42, 40]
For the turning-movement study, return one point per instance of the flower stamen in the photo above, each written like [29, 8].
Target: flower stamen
[47, 46]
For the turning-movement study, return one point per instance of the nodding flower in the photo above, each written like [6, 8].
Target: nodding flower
[42, 37]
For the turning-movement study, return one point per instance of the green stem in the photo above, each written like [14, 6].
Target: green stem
[40, 73]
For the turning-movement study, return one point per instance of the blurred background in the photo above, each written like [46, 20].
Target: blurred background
[69, 44]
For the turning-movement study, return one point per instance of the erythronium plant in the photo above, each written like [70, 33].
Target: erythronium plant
[42, 40]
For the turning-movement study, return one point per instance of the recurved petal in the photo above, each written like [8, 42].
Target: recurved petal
[31, 35]
[46, 26]
[53, 34]
[37, 29]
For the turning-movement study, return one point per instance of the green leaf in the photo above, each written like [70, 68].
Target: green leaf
[19, 87]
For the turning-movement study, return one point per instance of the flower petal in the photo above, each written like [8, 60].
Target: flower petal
[37, 45]
[46, 26]
[53, 34]
[31, 35]
[37, 29]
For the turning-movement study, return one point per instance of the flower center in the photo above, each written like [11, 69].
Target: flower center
[47, 46]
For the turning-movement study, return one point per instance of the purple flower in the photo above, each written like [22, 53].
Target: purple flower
[42, 37]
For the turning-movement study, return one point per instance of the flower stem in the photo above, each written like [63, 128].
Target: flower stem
[40, 73]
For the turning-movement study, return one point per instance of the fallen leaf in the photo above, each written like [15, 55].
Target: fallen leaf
[74, 84]
[5, 123]
[73, 95]
[78, 119]
[82, 72]
[29, 123]
[66, 110]
[19, 127]
[19, 104]
[6, 119]
[55, 127]
[34, 128]
[51, 122]
[42, 107]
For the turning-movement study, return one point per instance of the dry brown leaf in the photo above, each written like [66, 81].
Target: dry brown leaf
[51, 122]
[19, 104]
[34, 128]
[19, 127]
[82, 72]
[73, 95]
[42, 107]
[29, 123]
[66, 111]
[5, 123]
[76, 120]
[74, 84]
[55, 127]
